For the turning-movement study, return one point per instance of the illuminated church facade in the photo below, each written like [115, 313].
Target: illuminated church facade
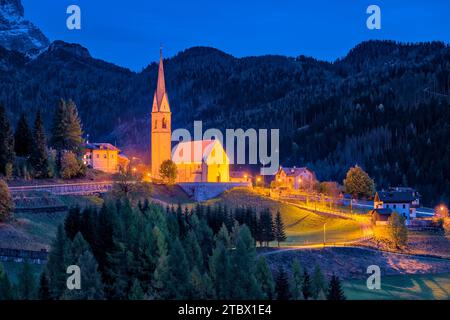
[196, 161]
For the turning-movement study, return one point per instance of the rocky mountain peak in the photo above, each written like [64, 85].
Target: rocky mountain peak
[17, 33]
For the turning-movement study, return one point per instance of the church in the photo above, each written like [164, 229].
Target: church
[196, 161]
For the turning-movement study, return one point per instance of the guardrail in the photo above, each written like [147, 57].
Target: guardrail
[19, 255]
[83, 188]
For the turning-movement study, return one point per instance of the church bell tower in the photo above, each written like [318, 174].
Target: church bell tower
[161, 146]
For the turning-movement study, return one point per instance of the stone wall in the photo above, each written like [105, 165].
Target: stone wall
[202, 191]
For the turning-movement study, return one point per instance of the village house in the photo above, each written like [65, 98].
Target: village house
[404, 201]
[295, 178]
[104, 157]
[197, 161]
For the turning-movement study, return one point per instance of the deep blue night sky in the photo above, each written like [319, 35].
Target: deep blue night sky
[129, 33]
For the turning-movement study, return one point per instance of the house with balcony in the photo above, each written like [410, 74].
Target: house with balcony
[404, 201]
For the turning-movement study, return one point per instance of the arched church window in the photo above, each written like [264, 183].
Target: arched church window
[164, 123]
[156, 124]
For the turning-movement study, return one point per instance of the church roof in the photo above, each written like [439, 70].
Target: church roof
[160, 91]
[196, 151]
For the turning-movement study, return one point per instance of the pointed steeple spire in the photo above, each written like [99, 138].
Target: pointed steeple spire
[161, 86]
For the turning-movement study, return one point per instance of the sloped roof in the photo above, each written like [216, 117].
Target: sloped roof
[160, 92]
[101, 146]
[403, 196]
[293, 172]
[384, 211]
[196, 151]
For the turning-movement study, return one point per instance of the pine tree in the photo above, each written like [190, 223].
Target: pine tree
[243, 263]
[39, 157]
[178, 284]
[6, 289]
[44, 289]
[279, 232]
[57, 264]
[220, 266]
[91, 280]
[318, 282]
[72, 223]
[6, 143]
[23, 141]
[74, 131]
[27, 286]
[161, 275]
[136, 292]
[266, 227]
[265, 279]
[193, 251]
[297, 280]
[66, 129]
[306, 286]
[282, 285]
[335, 291]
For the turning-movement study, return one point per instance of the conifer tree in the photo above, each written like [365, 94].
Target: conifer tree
[297, 280]
[66, 129]
[318, 282]
[26, 286]
[136, 291]
[39, 158]
[266, 227]
[91, 281]
[243, 263]
[161, 274]
[279, 232]
[265, 279]
[6, 143]
[282, 285]
[306, 286]
[220, 266]
[6, 289]
[72, 223]
[23, 141]
[178, 284]
[335, 291]
[200, 286]
[44, 289]
[193, 251]
[57, 264]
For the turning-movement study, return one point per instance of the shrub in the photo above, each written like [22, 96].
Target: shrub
[70, 166]
[6, 202]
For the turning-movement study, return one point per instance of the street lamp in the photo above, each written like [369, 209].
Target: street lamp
[324, 234]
